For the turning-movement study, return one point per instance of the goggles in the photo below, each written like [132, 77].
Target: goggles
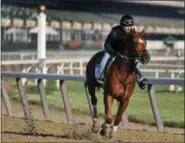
[128, 22]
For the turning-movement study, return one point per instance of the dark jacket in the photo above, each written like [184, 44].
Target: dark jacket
[115, 40]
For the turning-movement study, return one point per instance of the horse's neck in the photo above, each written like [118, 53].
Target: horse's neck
[123, 66]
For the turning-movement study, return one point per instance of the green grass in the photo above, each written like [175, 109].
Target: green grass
[171, 105]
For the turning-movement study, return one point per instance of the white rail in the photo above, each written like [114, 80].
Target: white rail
[75, 60]
[40, 77]
[8, 56]
[82, 78]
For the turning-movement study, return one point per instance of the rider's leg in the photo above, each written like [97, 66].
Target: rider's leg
[139, 76]
[103, 63]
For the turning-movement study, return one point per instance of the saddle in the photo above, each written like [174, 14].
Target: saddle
[108, 64]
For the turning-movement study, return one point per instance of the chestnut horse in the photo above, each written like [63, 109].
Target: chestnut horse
[119, 80]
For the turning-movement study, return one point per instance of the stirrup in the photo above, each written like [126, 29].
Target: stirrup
[100, 79]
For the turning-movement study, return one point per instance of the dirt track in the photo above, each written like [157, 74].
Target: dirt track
[16, 129]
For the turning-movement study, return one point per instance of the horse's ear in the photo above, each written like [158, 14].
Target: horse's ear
[142, 32]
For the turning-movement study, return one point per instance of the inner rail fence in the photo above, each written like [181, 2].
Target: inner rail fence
[32, 55]
[80, 78]
[78, 66]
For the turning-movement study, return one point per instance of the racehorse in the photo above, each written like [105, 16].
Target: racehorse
[119, 81]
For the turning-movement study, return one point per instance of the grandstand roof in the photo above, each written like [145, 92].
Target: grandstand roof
[28, 13]
[155, 9]
[159, 3]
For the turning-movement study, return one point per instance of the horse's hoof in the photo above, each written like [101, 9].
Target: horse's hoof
[112, 134]
[95, 129]
[102, 132]
[95, 126]
[107, 132]
[105, 138]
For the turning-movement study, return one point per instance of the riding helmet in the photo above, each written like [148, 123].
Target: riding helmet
[127, 20]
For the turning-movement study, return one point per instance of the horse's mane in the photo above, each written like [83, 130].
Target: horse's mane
[128, 45]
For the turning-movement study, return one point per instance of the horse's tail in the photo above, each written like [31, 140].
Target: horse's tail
[86, 87]
[85, 84]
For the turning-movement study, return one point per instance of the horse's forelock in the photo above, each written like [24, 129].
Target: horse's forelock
[139, 34]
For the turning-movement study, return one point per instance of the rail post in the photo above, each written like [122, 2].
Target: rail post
[124, 119]
[27, 111]
[6, 99]
[23, 97]
[43, 98]
[66, 101]
[155, 108]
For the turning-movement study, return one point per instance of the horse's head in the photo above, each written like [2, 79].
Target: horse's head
[140, 45]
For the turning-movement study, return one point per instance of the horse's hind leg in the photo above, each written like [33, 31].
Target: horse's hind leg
[91, 91]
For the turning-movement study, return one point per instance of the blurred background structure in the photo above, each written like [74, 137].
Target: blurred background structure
[78, 25]
[76, 29]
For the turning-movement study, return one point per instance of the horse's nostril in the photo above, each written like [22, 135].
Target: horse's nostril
[146, 58]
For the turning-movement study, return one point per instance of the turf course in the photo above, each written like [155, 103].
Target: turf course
[171, 105]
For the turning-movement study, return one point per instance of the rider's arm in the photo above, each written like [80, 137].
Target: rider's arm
[109, 42]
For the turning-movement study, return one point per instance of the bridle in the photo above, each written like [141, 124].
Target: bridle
[126, 60]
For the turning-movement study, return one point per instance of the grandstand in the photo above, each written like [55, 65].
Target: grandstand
[77, 29]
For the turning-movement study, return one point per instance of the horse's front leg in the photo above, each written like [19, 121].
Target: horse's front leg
[121, 108]
[108, 100]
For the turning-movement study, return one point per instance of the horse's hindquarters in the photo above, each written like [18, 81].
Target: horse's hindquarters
[90, 69]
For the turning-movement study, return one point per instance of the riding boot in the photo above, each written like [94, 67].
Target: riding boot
[140, 78]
